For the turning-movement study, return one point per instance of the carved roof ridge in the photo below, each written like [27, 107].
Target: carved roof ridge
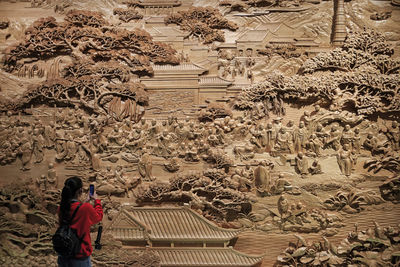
[257, 35]
[211, 224]
[126, 213]
[216, 256]
[214, 79]
[189, 210]
[182, 66]
[175, 223]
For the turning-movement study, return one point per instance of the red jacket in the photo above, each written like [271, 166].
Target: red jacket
[86, 216]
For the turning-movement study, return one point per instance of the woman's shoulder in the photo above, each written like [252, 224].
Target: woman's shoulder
[86, 205]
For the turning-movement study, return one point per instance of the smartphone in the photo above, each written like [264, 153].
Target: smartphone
[91, 189]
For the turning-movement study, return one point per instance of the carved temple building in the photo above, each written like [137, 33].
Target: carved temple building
[179, 236]
[158, 7]
[186, 77]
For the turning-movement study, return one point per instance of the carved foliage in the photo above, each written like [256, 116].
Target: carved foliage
[203, 23]
[364, 77]
[206, 191]
[127, 15]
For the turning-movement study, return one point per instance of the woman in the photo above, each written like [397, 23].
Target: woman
[86, 216]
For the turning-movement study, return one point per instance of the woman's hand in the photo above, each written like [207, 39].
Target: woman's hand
[90, 197]
[94, 196]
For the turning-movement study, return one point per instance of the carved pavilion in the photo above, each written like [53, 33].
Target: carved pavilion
[159, 7]
[179, 236]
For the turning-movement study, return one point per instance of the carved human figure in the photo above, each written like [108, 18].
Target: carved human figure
[283, 206]
[163, 141]
[370, 143]
[153, 129]
[277, 124]
[71, 148]
[270, 137]
[212, 138]
[259, 134]
[172, 124]
[145, 166]
[61, 144]
[259, 110]
[239, 182]
[334, 138]
[52, 176]
[357, 140]
[181, 132]
[321, 133]
[290, 128]
[315, 144]
[37, 146]
[283, 142]
[262, 176]
[317, 111]
[248, 172]
[144, 125]
[315, 167]
[19, 134]
[393, 134]
[26, 153]
[280, 185]
[191, 154]
[70, 119]
[301, 164]
[347, 135]
[42, 182]
[345, 160]
[115, 137]
[135, 140]
[49, 135]
[307, 120]
[300, 137]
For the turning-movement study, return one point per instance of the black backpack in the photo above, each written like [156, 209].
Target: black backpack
[66, 241]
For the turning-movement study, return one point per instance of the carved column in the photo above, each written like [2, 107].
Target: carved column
[339, 23]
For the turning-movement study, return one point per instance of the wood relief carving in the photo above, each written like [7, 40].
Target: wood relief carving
[216, 132]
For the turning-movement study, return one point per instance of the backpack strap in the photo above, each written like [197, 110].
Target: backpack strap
[75, 211]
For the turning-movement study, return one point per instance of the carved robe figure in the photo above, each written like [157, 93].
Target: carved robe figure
[262, 177]
[26, 153]
[49, 135]
[71, 149]
[357, 140]
[315, 167]
[191, 154]
[334, 138]
[347, 135]
[345, 160]
[270, 137]
[38, 144]
[393, 134]
[301, 164]
[283, 142]
[315, 144]
[61, 145]
[300, 137]
[145, 167]
[52, 176]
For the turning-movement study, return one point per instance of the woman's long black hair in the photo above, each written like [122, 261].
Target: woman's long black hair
[71, 186]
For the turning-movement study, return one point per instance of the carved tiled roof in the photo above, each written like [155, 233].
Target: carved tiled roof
[213, 80]
[180, 224]
[253, 36]
[165, 31]
[166, 224]
[278, 39]
[159, 3]
[190, 257]
[183, 66]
